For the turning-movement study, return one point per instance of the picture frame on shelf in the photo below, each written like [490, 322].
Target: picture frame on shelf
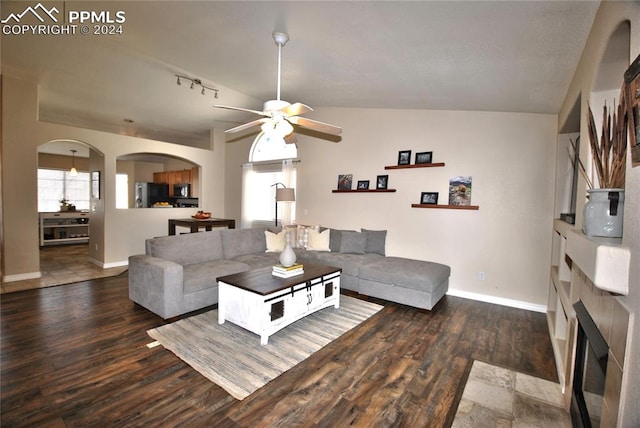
[424, 157]
[429, 198]
[345, 181]
[460, 190]
[95, 184]
[404, 157]
[363, 185]
[382, 182]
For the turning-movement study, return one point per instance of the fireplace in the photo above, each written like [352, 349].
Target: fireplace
[590, 371]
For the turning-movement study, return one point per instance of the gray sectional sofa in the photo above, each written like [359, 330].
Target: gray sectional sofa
[177, 274]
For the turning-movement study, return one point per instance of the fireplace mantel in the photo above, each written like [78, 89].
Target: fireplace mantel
[605, 261]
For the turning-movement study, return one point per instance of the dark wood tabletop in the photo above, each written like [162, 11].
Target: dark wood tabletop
[195, 224]
[262, 282]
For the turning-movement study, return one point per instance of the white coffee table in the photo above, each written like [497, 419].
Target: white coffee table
[264, 304]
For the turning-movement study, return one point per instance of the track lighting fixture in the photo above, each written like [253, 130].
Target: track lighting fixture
[197, 82]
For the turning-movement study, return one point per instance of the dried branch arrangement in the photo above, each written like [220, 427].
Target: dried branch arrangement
[610, 153]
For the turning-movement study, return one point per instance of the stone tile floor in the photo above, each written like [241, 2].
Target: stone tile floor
[63, 264]
[499, 398]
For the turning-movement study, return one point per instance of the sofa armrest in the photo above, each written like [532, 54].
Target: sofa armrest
[156, 284]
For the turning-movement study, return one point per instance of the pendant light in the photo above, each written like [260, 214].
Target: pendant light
[73, 171]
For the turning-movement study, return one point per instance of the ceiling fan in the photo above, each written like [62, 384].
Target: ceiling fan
[279, 116]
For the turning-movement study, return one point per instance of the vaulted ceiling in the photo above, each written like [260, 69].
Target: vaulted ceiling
[516, 56]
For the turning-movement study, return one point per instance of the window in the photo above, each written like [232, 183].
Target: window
[55, 185]
[259, 179]
[122, 191]
[260, 202]
[266, 147]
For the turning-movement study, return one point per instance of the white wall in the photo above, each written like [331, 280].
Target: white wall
[117, 233]
[510, 156]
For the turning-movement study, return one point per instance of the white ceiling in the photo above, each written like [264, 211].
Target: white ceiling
[516, 56]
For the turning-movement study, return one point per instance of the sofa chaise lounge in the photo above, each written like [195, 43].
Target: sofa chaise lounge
[178, 274]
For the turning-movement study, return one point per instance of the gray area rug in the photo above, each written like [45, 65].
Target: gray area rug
[233, 358]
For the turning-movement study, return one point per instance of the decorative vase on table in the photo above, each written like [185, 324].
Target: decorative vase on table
[287, 256]
[604, 213]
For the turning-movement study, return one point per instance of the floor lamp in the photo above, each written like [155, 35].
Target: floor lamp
[284, 194]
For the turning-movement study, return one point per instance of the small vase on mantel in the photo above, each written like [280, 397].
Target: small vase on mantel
[287, 256]
[604, 213]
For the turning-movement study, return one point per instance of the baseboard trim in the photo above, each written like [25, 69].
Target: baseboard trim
[497, 300]
[109, 265]
[22, 276]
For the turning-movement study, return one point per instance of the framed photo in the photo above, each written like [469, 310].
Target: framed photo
[344, 181]
[429, 198]
[382, 181]
[363, 185]
[95, 184]
[404, 157]
[460, 190]
[423, 157]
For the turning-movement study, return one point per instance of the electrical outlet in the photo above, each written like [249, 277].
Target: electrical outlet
[96, 247]
[482, 276]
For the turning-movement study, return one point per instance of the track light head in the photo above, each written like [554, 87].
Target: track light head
[179, 82]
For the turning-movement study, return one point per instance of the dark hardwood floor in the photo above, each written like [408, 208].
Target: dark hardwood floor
[75, 355]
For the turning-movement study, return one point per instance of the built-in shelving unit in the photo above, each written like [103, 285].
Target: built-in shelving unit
[449, 207]
[64, 228]
[560, 310]
[419, 165]
[364, 191]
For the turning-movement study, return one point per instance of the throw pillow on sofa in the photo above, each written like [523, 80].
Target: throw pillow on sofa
[275, 241]
[303, 235]
[376, 240]
[318, 241]
[353, 242]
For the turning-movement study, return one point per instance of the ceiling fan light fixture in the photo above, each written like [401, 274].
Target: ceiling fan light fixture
[278, 128]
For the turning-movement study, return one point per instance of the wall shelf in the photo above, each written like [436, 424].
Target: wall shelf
[448, 207]
[421, 165]
[365, 191]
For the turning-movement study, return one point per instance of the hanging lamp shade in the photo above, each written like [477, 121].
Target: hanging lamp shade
[73, 171]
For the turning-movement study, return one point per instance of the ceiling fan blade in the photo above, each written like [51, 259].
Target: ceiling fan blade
[290, 139]
[261, 113]
[296, 109]
[315, 125]
[245, 126]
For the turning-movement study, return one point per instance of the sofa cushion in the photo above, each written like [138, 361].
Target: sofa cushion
[238, 242]
[259, 260]
[275, 241]
[350, 263]
[318, 241]
[353, 242]
[335, 239]
[376, 241]
[187, 249]
[416, 274]
[203, 275]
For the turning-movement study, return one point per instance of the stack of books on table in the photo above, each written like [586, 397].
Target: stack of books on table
[287, 271]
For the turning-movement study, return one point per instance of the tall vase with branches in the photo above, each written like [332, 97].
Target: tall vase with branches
[604, 212]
